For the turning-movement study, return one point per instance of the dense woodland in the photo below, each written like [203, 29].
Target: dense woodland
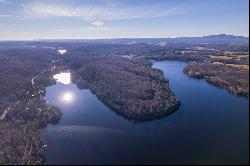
[23, 111]
[234, 79]
[129, 87]
[119, 74]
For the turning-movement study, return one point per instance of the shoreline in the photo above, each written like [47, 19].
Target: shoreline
[150, 98]
[220, 79]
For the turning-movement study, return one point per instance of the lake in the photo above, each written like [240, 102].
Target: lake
[210, 127]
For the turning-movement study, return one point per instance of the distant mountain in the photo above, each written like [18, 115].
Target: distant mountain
[222, 38]
[211, 39]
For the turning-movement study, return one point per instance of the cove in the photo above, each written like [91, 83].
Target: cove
[210, 127]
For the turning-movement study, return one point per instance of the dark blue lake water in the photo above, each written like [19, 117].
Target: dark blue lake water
[210, 127]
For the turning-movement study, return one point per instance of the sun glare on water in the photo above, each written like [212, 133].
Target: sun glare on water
[67, 97]
[63, 78]
[62, 51]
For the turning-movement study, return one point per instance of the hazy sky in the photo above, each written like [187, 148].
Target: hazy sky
[76, 19]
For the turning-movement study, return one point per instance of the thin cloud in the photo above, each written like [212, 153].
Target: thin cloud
[101, 12]
[98, 23]
[5, 15]
[86, 29]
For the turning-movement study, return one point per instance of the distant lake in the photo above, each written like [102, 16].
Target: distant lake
[210, 127]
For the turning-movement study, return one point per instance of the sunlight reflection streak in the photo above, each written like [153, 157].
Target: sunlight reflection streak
[63, 78]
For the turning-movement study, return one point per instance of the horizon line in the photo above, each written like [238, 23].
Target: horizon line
[123, 38]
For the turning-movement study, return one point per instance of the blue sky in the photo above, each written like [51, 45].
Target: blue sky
[85, 19]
